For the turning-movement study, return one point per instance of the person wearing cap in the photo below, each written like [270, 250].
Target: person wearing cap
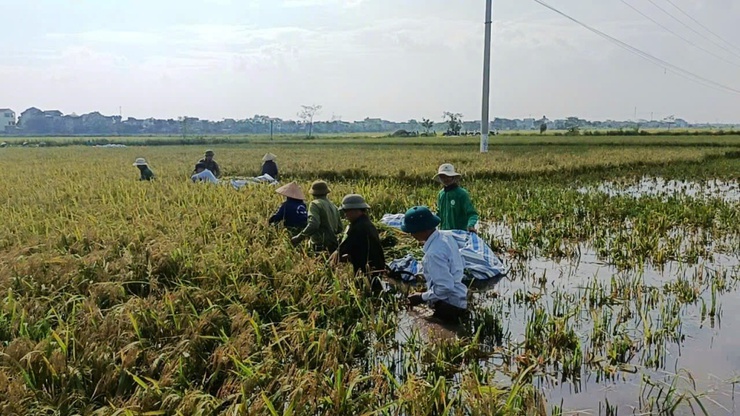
[454, 206]
[361, 245]
[442, 265]
[201, 174]
[324, 223]
[146, 173]
[293, 212]
[269, 167]
[211, 164]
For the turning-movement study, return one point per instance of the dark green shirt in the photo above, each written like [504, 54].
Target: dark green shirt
[212, 166]
[362, 246]
[146, 174]
[455, 209]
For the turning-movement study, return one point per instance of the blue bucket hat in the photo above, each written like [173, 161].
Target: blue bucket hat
[419, 219]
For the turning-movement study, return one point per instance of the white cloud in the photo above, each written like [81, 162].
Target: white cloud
[418, 60]
[108, 37]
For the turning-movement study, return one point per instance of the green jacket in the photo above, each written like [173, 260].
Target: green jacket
[146, 174]
[455, 209]
[323, 224]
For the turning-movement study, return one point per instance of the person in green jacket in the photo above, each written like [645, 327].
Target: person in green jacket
[146, 173]
[454, 206]
[324, 223]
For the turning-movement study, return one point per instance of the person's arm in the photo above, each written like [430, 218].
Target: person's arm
[279, 215]
[216, 169]
[471, 213]
[339, 225]
[442, 278]
[314, 222]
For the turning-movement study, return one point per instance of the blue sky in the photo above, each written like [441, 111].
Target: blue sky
[379, 58]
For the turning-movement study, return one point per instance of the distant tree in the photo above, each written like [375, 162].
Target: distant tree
[454, 123]
[184, 126]
[427, 124]
[670, 120]
[307, 114]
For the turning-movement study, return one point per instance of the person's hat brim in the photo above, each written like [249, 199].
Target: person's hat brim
[348, 207]
[291, 190]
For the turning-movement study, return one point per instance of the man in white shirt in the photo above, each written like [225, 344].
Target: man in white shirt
[442, 264]
[203, 175]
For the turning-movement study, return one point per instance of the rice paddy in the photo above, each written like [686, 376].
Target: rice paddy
[124, 297]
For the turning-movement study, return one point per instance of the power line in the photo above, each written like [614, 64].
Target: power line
[656, 61]
[690, 42]
[703, 26]
[712, 41]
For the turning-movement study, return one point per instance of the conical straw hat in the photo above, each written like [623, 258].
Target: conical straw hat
[268, 157]
[291, 190]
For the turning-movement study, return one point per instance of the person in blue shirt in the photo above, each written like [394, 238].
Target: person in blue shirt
[443, 266]
[292, 213]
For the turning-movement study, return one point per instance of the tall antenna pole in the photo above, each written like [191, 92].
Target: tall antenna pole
[486, 81]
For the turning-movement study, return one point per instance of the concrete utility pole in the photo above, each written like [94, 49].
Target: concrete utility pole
[486, 81]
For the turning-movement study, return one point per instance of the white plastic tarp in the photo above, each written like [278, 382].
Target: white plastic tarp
[481, 263]
[239, 183]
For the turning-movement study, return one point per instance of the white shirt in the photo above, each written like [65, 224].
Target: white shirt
[205, 176]
[443, 270]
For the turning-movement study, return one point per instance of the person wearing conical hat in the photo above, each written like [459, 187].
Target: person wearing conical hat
[454, 206]
[293, 212]
[324, 223]
[442, 264]
[361, 245]
[210, 163]
[146, 173]
[269, 167]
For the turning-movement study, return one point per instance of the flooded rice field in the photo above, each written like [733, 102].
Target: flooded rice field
[726, 190]
[608, 339]
[123, 297]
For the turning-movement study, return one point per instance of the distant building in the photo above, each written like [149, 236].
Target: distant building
[528, 124]
[29, 114]
[7, 119]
